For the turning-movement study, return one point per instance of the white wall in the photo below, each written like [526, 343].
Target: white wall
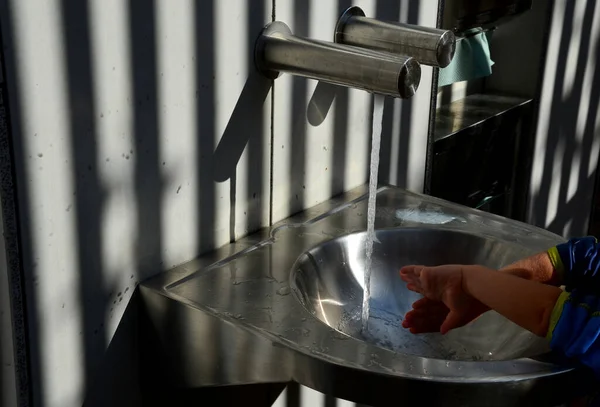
[144, 138]
[567, 139]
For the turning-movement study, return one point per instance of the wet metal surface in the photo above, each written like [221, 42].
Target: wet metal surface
[284, 305]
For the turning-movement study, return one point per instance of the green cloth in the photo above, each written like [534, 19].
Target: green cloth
[471, 60]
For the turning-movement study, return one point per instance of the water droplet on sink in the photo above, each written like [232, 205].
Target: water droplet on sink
[305, 332]
[447, 364]
[284, 290]
[302, 319]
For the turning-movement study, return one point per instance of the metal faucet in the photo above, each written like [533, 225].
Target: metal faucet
[368, 54]
[278, 50]
[429, 46]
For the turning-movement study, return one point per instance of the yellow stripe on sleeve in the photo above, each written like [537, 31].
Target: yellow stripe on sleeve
[556, 313]
[557, 262]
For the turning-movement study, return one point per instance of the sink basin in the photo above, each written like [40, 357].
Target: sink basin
[328, 280]
[284, 304]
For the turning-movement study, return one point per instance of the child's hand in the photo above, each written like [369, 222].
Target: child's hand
[426, 316]
[446, 305]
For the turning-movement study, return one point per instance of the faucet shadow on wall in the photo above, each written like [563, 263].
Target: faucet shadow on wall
[242, 126]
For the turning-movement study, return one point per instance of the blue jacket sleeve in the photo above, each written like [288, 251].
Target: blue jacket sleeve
[574, 329]
[578, 263]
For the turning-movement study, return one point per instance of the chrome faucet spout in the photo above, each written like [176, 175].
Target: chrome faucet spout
[278, 50]
[429, 46]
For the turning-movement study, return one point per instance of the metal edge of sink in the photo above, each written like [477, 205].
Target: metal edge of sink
[205, 341]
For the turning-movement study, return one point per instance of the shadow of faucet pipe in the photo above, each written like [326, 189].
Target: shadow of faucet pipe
[242, 127]
[320, 102]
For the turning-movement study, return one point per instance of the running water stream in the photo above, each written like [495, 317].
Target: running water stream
[378, 102]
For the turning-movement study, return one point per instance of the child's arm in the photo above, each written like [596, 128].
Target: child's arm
[571, 321]
[538, 268]
[529, 304]
[575, 264]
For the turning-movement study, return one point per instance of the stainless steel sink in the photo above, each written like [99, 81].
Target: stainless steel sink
[284, 305]
[328, 280]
